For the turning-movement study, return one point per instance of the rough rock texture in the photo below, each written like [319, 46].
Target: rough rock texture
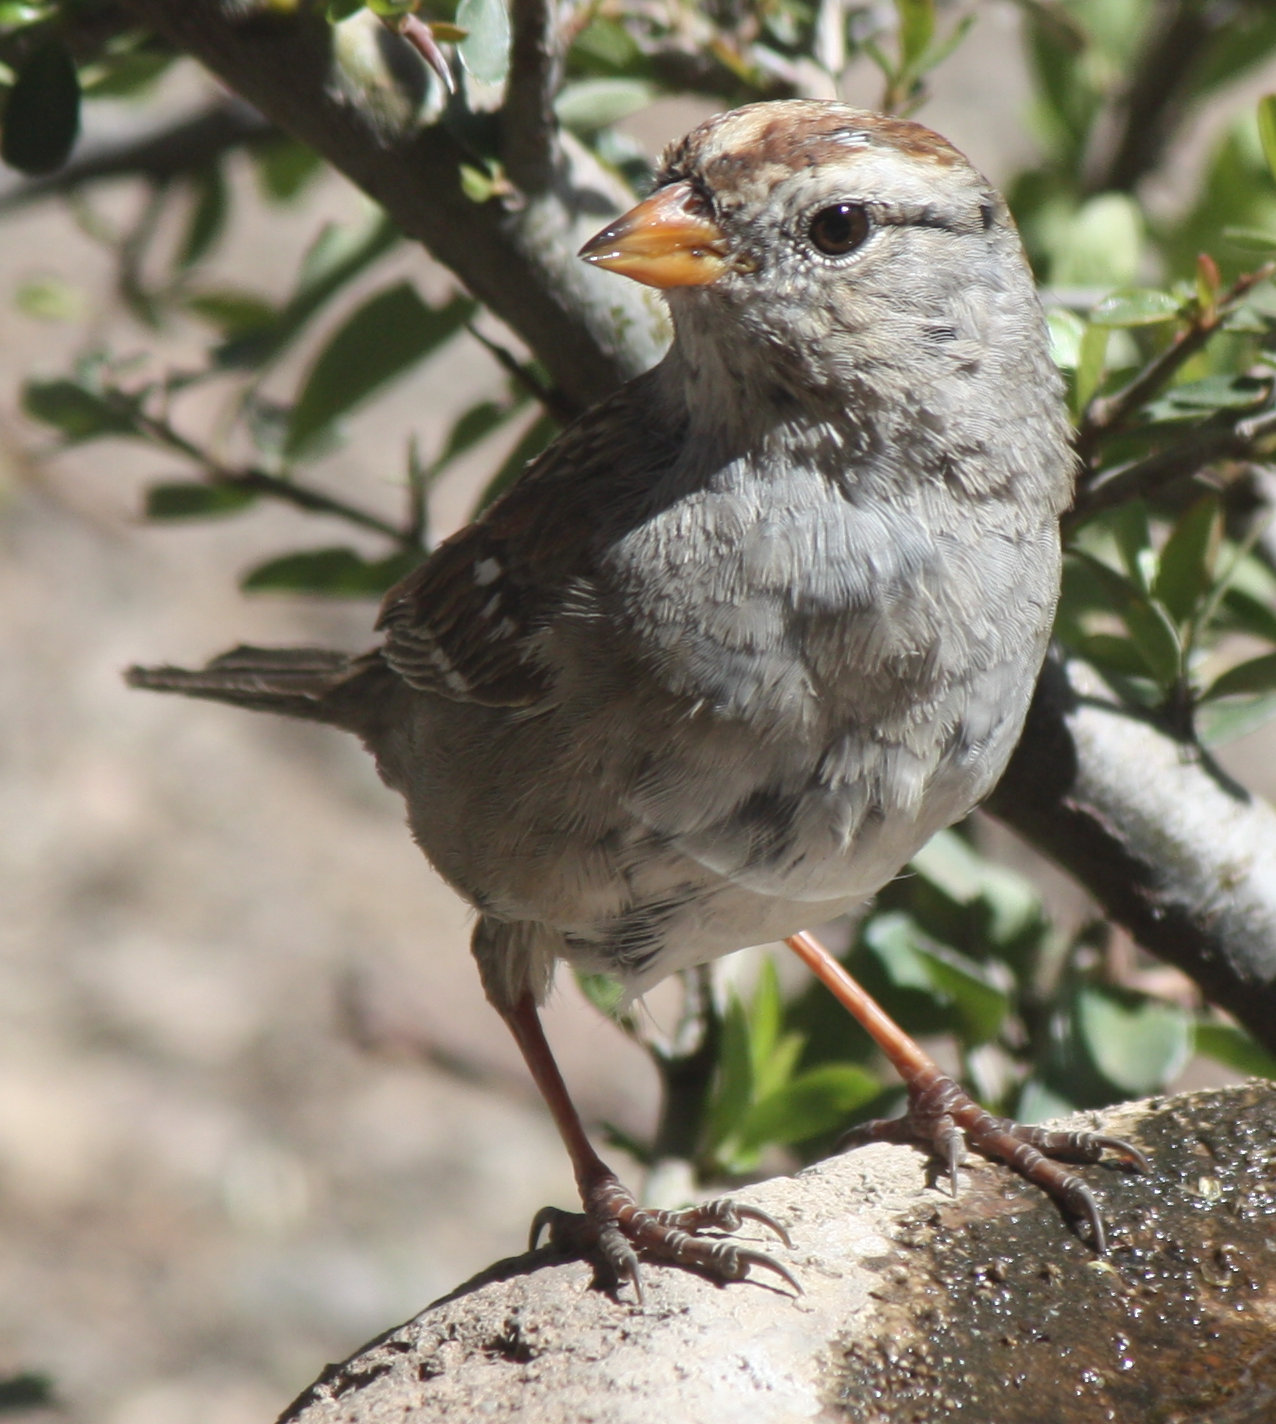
[916, 1308]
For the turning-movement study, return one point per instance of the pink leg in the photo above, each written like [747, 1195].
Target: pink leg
[944, 1118]
[613, 1223]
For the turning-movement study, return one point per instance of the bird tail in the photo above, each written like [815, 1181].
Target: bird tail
[318, 684]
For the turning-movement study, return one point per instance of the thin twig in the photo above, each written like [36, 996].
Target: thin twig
[528, 120]
[255, 481]
[1105, 416]
[550, 399]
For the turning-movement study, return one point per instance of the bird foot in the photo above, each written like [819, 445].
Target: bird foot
[614, 1227]
[944, 1118]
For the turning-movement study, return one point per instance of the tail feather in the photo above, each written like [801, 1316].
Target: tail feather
[312, 683]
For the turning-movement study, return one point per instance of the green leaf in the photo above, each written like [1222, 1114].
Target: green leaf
[42, 117]
[1066, 331]
[194, 499]
[1250, 239]
[284, 167]
[50, 299]
[1091, 356]
[471, 427]
[916, 29]
[592, 104]
[78, 413]
[335, 572]
[207, 219]
[1226, 1043]
[1256, 675]
[979, 1004]
[1101, 244]
[1135, 306]
[391, 332]
[339, 10]
[1147, 622]
[1132, 531]
[485, 50]
[232, 312]
[1185, 569]
[1267, 130]
[1223, 721]
[813, 1103]
[733, 1089]
[604, 991]
[1138, 1044]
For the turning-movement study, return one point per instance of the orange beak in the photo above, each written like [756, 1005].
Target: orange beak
[665, 242]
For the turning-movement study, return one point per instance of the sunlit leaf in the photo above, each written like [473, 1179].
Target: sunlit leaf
[1267, 130]
[1138, 1044]
[1135, 306]
[1226, 1043]
[815, 1102]
[485, 50]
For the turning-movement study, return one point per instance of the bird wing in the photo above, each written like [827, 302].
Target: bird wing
[476, 621]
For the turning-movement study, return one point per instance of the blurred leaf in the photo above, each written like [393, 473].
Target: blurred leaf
[78, 413]
[42, 116]
[485, 50]
[336, 257]
[1138, 1044]
[1148, 624]
[605, 44]
[1267, 131]
[1256, 675]
[1066, 331]
[26, 1391]
[604, 991]
[1091, 356]
[1217, 722]
[471, 427]
[916, 29]
[1248, 614]
[17, 13]
[1226, 1043]
[339, 10]
[207, 217]
[979, 1004]
[733, 1088]
[393, 330]
[1185, 569]
[231, 312]
[815, 1102]
[334, 572]
[1132, 531]
[1251, 239]
[1100, 245]
[125, 76]
[1136, 306]
[285, 166]
[194, 499]
[592, 104]
[50, 299]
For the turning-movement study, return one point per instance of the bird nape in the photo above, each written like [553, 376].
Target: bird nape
[749, 632]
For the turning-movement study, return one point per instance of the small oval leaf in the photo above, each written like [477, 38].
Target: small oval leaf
[1135, 306]
[42, 117]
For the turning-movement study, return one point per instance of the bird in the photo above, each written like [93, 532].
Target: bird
[749, 632]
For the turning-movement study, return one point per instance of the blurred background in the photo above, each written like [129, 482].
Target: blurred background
[253, 1108]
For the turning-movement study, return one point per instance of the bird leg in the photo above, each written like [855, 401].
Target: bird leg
[613, 1224]
[945, 1118]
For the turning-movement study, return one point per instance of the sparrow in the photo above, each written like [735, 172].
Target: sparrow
[750, 631]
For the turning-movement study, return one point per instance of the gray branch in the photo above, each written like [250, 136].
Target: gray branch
[350, 95]
[1170, 847]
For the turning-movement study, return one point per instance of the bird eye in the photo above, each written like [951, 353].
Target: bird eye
[838, 230]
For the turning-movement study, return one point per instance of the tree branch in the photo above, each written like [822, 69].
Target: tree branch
[518, 257]
[528, 124]
[1170, 847]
